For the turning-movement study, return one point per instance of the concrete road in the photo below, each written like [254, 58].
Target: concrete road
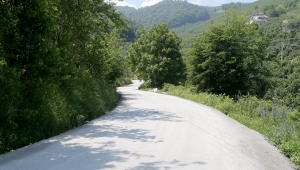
[152, 131]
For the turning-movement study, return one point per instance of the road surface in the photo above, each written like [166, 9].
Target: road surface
[152, 131]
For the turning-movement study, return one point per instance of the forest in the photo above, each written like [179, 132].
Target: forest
[61, 61]
[174, 13]
[60, 64]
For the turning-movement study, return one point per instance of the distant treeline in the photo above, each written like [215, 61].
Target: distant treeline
[232, 5]
[173, 13]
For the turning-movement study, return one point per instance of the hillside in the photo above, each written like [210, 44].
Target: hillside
[273, 8]
[174, 13]
[133, 30]
[191, 20]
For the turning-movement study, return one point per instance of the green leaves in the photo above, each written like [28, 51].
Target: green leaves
[60, 62]
[156, 57]
[228, 58]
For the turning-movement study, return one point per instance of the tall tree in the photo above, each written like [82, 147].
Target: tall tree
[228, 58]
[58, 66]
[156, 57]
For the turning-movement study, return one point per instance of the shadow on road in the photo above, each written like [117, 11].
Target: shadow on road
[98, 144]
[105, 154]
[164, 165]
[126, 112]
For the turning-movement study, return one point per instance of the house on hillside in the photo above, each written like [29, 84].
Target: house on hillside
[258, 18]
[285, 26]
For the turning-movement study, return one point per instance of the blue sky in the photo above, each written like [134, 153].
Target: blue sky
[143, 3]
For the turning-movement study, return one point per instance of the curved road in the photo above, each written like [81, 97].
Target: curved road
[152, 131]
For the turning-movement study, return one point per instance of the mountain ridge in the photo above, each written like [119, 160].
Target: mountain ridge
[174, 13]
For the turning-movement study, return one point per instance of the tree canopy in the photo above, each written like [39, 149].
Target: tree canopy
[60, 62]
[133, 30]
[228, 58]
[156, 57]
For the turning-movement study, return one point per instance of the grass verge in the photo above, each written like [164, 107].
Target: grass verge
[277, 122]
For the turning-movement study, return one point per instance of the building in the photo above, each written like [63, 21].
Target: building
[258, 18]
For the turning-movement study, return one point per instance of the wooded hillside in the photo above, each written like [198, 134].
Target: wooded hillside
[174, 13]
[189, 31]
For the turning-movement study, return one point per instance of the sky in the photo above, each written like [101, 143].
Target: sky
[144, 3]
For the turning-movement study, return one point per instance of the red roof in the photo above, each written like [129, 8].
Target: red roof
[285, 22]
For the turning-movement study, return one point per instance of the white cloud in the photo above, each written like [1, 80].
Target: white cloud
[123, 3]
[209, 2]
[197, 2]
[150, 2]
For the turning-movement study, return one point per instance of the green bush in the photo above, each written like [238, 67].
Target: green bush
[55, 75]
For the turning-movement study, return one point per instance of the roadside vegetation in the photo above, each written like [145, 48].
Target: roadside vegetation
[247, 71]
[156, 57]
[229, 58]
[60, 64]
[279, 123]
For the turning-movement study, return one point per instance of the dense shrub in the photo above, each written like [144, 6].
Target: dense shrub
[60, 63]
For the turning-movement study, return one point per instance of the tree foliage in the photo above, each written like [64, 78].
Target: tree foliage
[173, 13]
[156, 57]
[189, 31]
[284, 52]
[133, 32]
[58, 66]
[232, 5]
[228, 58]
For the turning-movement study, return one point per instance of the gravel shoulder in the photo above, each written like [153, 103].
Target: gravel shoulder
[152, 131]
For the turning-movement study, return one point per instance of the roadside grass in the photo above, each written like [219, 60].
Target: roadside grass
[280, 124]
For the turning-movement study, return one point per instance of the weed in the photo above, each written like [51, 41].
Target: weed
[273, 119]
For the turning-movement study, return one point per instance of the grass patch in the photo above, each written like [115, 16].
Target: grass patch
[277, 122]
